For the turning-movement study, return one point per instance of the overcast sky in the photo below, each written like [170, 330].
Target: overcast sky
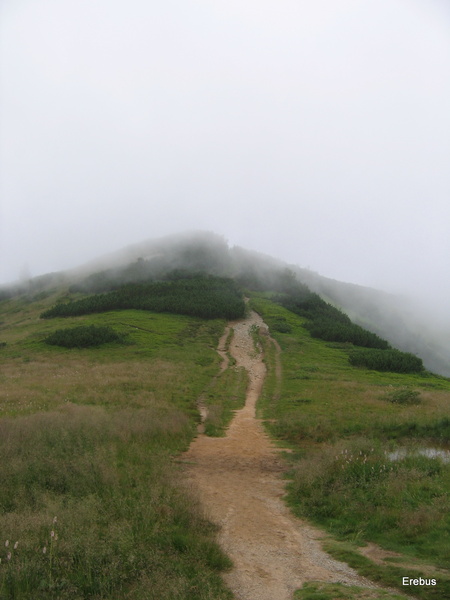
[316, 131]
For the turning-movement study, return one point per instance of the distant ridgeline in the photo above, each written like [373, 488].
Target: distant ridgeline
[202, 296]
[208, 296]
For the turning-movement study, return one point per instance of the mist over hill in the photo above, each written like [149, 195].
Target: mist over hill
[393, 318]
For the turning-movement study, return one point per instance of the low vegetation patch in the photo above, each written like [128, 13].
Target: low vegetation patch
[84, 336]
[386, 360]
[435, 431]
[207, 297]
[337, 591]
[225, 395]
[282, 326]
[327, 322]
[392, 576]
[404, 395]
[343, 331]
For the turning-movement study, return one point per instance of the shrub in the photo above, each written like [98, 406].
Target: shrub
[207, 297]
[386, 360]
[327, 322]
[404, 395]
[282, 326]
[338, 331]
[83, 337]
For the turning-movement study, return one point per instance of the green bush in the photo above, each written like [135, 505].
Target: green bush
[207, 297]
[338, 331]
[83, 337]
[386, 360]
[327, 322]
[282, 326]
[404, 395]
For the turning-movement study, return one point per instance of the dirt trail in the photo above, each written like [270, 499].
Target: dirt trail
[239, 482]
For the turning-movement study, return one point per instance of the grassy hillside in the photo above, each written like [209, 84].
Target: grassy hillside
[342, 422]
[91, 502]
[393, 318]
[96, 404]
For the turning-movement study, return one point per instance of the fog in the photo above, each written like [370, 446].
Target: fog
[316, 132]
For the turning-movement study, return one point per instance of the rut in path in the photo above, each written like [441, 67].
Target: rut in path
[238, 479]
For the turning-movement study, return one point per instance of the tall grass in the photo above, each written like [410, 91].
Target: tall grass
[88, 436]
[341, 421]
[124, 529]
[359, 493]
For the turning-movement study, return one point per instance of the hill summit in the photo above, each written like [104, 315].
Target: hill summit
[175, 256]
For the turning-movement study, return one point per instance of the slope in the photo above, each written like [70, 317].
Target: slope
[90, 504]
[238, 478]
[369, 452]
[89, 435]
[391, 317]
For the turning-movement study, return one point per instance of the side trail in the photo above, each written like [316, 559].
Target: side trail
[238, 479]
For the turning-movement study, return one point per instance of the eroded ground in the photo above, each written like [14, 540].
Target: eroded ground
[239, 481]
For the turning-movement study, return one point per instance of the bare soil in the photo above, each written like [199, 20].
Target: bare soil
[239, 482]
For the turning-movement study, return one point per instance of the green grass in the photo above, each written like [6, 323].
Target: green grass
[358, 494]
[124, 527]
[338, 591]
[89, 436]
[168, 358]
[225, 395]
[392, 576]
[341, 420]
[323, 398]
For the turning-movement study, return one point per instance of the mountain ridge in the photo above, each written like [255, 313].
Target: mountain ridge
[384, 314]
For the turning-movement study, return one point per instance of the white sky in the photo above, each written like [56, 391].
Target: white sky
[317, 131]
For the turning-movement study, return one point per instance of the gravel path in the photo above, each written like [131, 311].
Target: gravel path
[239, 482]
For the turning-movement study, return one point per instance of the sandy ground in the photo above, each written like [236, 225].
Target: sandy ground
[239, 481]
